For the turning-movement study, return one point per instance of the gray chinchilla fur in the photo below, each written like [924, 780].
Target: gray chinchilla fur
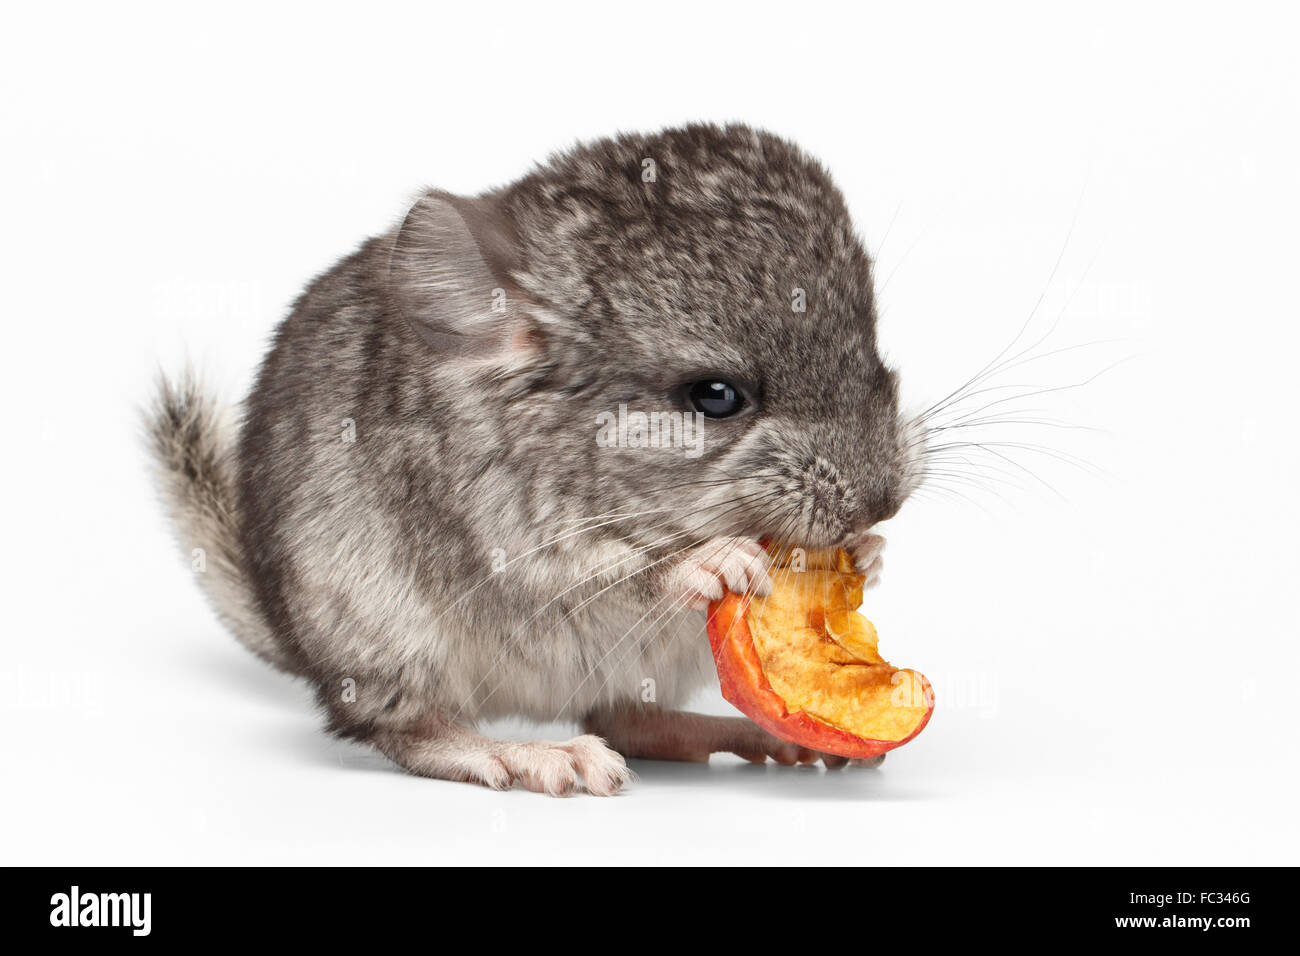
[414, 511]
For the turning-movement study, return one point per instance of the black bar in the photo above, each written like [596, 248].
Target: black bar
[374, 905]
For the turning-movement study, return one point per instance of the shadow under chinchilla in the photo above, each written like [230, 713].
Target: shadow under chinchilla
[248, 677]
[258, 683]
[804, 782]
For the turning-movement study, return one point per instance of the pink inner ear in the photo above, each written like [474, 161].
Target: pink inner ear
[525, 342]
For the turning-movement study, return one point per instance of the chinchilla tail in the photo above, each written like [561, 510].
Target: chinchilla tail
[192, 438]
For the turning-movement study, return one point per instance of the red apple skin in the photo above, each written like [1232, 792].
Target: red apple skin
[746, 688]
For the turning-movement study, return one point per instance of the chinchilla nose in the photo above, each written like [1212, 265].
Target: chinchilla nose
[879, 507]
[879, 497]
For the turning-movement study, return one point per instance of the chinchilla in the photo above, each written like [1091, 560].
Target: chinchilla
[499, 459]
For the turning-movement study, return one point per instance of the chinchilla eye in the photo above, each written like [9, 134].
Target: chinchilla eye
[716, 399]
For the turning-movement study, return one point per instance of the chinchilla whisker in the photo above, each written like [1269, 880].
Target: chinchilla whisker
[637, 551]
[674, 613]
[591, 671]
[556, 540]
[998, 364]
[964, 416]
[672, 605]
[981, 479]
[610, 516]
[673, 487]
[970, 477]
[1064, 349]
[653, 639]
[942, 493]
[720, 481]
[923, 420]
[547, 544]
[898, 265]
[605, 514]
[990, 369]
[515, 636]
[1034, 390]
[706, 483]
[924, 430]
[1024, 356]
[980, 418]
[974, 468]
[888, 229]
[756, 499]
[626, 516]
[982, 483]
[1037, 422]
[986, 480]
[1028, 471]
[1058, 454]
[961, 494]
[1003, 366]
[1051, 277]
[1023, 390]
[787, 526]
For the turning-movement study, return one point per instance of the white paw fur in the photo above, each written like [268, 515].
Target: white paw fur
[737, 564]
[867, 553]
[552, 767]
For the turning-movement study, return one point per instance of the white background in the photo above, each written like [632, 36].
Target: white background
[1114, 658]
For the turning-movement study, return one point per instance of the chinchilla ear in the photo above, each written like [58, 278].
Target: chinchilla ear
[449, 275]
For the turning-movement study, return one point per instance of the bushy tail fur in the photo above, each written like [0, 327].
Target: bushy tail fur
[193, 441]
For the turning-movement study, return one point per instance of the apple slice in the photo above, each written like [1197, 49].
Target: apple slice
[802, 662]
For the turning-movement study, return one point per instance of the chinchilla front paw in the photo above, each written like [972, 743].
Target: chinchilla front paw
[866, 550]
[739, 565]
